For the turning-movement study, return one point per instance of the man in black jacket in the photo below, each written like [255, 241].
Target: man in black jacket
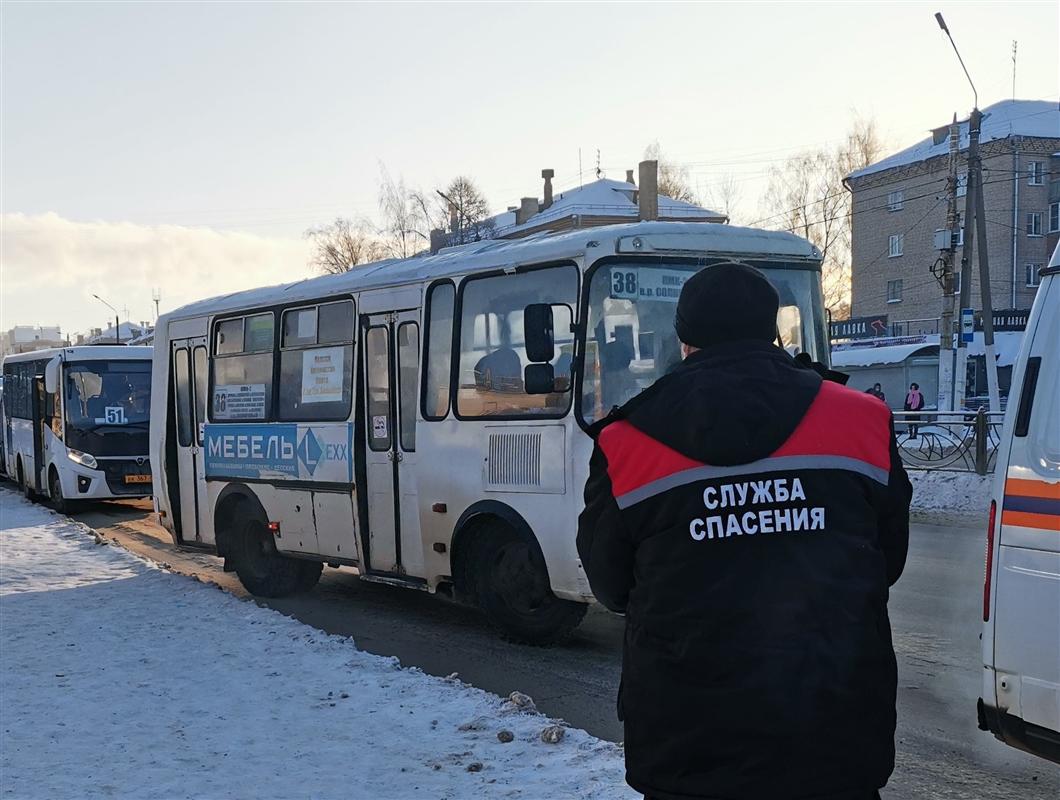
[748, 518]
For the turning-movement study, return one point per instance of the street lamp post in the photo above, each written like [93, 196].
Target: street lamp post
[117, 324]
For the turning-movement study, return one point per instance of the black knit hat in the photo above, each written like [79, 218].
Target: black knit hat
[726, 303]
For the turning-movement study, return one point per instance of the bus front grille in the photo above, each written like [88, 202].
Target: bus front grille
[514, 459]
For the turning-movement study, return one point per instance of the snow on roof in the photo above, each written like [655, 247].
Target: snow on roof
[874, 356]
[606, 198]
[492, 254]
[1040, 118]
[1006, 348]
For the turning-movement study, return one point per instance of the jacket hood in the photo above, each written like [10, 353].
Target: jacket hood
[728, 404]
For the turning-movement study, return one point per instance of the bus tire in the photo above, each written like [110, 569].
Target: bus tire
[55, 494]
[263, 570]
[512, 589]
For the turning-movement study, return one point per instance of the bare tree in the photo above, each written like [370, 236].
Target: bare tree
[467, 211]
[674, 180]
[724, 195]
[342, 245]
[406, 217]
[806, 196]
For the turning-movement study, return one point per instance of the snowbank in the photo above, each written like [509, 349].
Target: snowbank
[120, 679]
[940, 495]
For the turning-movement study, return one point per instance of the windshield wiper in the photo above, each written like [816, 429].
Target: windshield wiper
[111, 425]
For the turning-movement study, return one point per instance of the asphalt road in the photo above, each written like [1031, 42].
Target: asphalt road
[935, 613]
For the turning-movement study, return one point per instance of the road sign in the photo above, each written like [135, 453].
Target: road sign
[967, 324]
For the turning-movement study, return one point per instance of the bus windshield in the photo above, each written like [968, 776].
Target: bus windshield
[107, 394]
[630, 338]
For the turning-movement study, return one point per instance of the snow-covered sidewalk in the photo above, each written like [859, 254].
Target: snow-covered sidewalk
[119, 679]
[943, 497]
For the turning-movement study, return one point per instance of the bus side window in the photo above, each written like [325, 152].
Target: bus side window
[437, 365]
[377, 358]
[182, 386]
[408, 353]
[316, 362]
[201, 384]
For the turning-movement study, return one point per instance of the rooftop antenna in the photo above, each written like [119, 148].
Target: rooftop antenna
[599, 172]
[1014, 44]
[156, 296]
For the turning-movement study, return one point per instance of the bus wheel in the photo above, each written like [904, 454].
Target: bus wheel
[55, 494]
[512, 588]
[264, 572]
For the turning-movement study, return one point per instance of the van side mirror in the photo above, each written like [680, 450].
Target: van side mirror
[539, 379]
[51, 376]
[538, 333]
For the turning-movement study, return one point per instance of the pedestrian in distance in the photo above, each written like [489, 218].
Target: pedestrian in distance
[914, 401]
[877, 391]
[748, 517]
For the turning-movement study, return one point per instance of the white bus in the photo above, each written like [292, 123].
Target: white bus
[425, 420]
[75, 423]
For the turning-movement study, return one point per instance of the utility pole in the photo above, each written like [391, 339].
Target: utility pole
[984, 280]
[948, 256]
[960, 390]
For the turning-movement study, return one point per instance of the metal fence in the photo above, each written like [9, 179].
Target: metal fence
[964, 441]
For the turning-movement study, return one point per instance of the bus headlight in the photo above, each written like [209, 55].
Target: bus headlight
[84, 459]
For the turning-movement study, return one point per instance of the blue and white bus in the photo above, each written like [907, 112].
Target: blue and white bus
[425, 421]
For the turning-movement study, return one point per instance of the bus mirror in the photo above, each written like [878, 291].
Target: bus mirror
[51, 376]
[539, 379]
[538, 332]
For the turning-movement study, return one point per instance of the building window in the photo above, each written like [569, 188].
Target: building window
[962, 184]
[894, 291]
[1036, 173]
[1033, 278]
[895, 244]
[896, 201]
[1034, 223]
[1054, 217]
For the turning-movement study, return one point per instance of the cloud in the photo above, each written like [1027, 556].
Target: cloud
[51, 266]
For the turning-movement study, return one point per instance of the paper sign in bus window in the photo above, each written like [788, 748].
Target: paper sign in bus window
[323, 375]
[379, 428]
[239, 401]
[112, 415]
[632, 283]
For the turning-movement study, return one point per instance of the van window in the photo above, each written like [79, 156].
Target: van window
[492, 349]
[1044, 428]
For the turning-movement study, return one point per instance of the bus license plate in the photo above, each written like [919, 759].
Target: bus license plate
[137, 478]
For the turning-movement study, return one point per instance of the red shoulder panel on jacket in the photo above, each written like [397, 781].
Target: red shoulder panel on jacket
[635, 459]
[843, 422]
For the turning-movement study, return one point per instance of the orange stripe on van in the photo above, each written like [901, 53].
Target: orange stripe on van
[1023, 519]
[1022, 487]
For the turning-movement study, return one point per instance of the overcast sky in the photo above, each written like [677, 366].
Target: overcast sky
[187, 146]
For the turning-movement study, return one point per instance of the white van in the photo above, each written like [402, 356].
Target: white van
[1021, 592]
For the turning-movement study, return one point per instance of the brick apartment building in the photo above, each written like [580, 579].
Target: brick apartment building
[899, 202]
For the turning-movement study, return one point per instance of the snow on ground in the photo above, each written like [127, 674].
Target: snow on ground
[941, 495]
[119, 679]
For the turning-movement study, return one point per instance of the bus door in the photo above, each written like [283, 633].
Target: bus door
[189, 381]
[391, 354]
[39, 400]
